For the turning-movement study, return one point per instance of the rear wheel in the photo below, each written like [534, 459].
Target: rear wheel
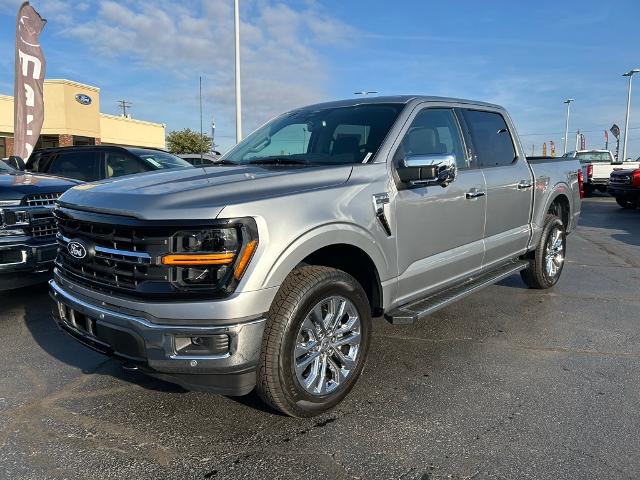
[548, 258]
[315, 343]
[628, 204]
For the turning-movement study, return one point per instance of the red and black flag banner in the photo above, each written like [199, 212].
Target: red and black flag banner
[615, 129]
[28, 109]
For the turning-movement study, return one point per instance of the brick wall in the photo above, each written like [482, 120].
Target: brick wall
[9, 141]
[66, 140]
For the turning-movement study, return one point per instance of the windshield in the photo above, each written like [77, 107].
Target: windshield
[158, 160]
[594, 157]
[324, 136]
[4, 168]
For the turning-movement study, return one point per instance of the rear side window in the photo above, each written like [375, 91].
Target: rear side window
[491, 138]
[83, 166]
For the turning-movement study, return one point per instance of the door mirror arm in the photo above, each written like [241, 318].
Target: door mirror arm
[428, 170]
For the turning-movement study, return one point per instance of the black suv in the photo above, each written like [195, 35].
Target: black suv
[27, 227]
[92, 163]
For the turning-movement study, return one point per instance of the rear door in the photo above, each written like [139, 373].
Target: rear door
[439, 230]
[509, 184]
[80, 165]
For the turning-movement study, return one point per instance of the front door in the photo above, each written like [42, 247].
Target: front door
[439, 229]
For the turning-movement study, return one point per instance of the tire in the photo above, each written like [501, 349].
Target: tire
[627, 204]
[540, 273]
[308, 294]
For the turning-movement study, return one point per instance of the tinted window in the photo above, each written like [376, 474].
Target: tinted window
[83, 166]
[491, 138]
[434, 131]
[320, 135]
[120, 163]
[594, 157]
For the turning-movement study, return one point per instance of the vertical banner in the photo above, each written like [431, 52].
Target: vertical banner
[28, 103]
[553, 148]
[606, 140]
[583, 142]
[544, 149]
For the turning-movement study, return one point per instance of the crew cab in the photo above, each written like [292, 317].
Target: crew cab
[27, 227]
[91, 163]
[624, 185]
[597, 166]
[265, 270]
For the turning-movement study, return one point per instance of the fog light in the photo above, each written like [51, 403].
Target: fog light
[201, 345]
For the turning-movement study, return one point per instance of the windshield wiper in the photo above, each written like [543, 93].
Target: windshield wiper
[278, 161]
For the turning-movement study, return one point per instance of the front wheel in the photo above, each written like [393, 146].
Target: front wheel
[627, 204]
[315, 343]
[548, 258]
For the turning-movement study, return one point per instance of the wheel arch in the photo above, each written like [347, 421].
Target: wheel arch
[346, 247]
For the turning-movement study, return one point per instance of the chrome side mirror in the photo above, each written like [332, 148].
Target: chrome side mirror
[438, 169]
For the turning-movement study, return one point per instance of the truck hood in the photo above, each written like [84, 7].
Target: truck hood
[198, 193]
[14, 186]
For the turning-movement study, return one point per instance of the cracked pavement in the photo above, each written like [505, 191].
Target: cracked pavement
[508, 383]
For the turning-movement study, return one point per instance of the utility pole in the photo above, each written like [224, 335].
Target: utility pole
[201, 135]
[566, 128]
[123, 104]
[629, 74]
[236, 12]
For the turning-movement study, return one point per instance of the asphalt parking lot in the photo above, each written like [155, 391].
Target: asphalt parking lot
[509, 383]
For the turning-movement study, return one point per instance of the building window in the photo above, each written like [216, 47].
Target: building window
[47, 141]
[83, 141]
[3, 147]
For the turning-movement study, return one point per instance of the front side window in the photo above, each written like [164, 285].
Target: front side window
[119, 164]
[319, 136]
[491, 138]
[83, 166]
[434, 131]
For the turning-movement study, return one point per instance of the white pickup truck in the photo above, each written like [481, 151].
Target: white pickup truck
[597, 166]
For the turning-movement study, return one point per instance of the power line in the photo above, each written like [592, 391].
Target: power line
[562, 133]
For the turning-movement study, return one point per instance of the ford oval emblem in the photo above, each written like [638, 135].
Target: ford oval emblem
[83, 99]
[76, 250]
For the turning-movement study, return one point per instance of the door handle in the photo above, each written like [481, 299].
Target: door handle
[474, 193]
[524, 184]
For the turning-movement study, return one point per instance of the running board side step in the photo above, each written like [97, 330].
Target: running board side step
[418, 309]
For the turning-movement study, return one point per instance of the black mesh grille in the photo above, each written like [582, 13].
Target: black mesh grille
[42, 199]
[125, 263]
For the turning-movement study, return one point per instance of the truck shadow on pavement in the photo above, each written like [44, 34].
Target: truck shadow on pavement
[38, 320]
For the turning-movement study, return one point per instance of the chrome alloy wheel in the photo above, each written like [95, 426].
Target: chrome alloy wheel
[327, 345]
[554, 255]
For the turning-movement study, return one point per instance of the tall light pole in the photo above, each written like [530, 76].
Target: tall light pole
[629, 74]
[236, 13]
[566, 127]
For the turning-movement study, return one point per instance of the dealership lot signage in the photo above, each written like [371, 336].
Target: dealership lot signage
[29, 78]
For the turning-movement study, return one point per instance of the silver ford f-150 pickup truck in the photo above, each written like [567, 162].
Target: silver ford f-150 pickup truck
[265, 270]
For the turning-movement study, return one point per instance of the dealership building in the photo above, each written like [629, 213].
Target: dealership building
[72, 117]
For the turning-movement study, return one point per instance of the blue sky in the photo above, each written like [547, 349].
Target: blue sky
[527, 56]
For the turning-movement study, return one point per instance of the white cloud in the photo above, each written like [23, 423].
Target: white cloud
[282, 63]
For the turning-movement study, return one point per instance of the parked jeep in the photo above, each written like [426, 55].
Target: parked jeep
[265, 270]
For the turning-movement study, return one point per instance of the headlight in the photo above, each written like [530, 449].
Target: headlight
[212, 258]
[11, 221]
[10, 203]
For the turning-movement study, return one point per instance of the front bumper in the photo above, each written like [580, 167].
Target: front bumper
[152, 347]
[25, 261]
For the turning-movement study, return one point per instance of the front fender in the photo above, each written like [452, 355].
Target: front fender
[324, 236]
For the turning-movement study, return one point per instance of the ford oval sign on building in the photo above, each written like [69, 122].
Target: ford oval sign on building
[83, 99]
